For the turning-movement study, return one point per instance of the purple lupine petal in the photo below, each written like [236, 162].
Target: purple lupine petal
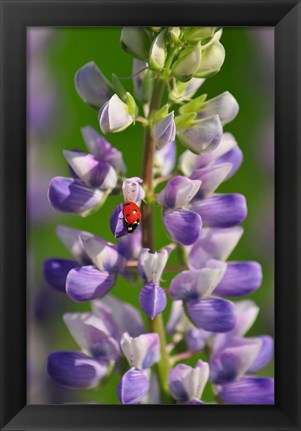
[117, 223]
[214, 244]
[92, 172]
[212, 314]
[194, 402]
[56, 271]
[265, 354]
[151, 265]
[224, 105]
[92, 335]
[183, 225]
[141, 352]
[130, 246]
[234, 157]
[204, 136]
[104, 312]
[221, 210]
[102, 149]
[165, 159]
[186, 383]
[72, 196]
[152, 299]
[248, 390]
[133, 386]
[126, 317]
[178, 192]
[211, 177]
[75, 370]
[197, 284]
[113, 116]
[71, 238]
[195, 338]
[164, 131]
[92, 86]
[241, 278]
[232, 362]
[132, 190]
[87, 283]
[103, 254]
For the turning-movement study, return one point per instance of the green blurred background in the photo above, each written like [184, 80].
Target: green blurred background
[248, 73]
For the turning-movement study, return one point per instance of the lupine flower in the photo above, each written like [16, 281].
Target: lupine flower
[98, 335]
[132, 191]
[224, 105]
[152, 297]
[186, 384]
[164, 131]
[234, 357]
[183, 91]
[114, 116]
[92, 87]
[141, 352]
[94, 175]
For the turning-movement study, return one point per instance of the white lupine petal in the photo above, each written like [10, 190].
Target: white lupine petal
[132, 190]
[154, 265]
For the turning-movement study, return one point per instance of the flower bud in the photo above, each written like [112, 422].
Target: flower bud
[164, 131]
[188, 63]
[174, 33]
[212, 60]
[135, 41]
[114, 116]
[158, 52]
[195, 34]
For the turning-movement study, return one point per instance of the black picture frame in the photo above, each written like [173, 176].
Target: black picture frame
[16, 15]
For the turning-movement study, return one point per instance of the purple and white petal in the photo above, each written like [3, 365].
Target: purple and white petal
[177, 318]
[87, 283]
[234, 157]
[117, 223]
[56, 271]
[92, 86]
[132, 190]
[130, 246]
[186, 383]
[151, 265]
[164, 131]
[103, 254]
[114, 116]
[71, 238]
[152, 299]
[224, 105]
[105, 313]
[178, 192]
[265, 354]
[212, 314]
[197, 284]
[195, 338]
[214, 243]
[133, 386]
[211, 177]
[92, 335]
[141, 352]
[204, 136]
[246, 312]
[100, 148]
[248, 390]
[165, 159]
[234, 360]
[126, 316]
[75, 370]
[72, 196]
[241, 278]
[221, 210]
[183, 225]
[93, 172]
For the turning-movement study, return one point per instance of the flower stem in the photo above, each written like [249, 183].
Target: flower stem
[156, 324]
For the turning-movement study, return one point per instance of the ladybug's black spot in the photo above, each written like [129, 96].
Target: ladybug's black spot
[127, 215]
[127, 204]
[138, 220]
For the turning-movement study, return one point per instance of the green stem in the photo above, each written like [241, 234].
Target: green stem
[156, 324]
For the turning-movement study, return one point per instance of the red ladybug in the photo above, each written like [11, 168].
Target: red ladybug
[131, 215]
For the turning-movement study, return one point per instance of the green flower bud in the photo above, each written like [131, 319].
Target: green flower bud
[158, 52]
[118, 88]
[188, 63]
[174, 33]
[131, 104]
[212, 60]
[196, 34]
[135, 41]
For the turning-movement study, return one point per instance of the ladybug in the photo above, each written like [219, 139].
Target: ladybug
[131, 215]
